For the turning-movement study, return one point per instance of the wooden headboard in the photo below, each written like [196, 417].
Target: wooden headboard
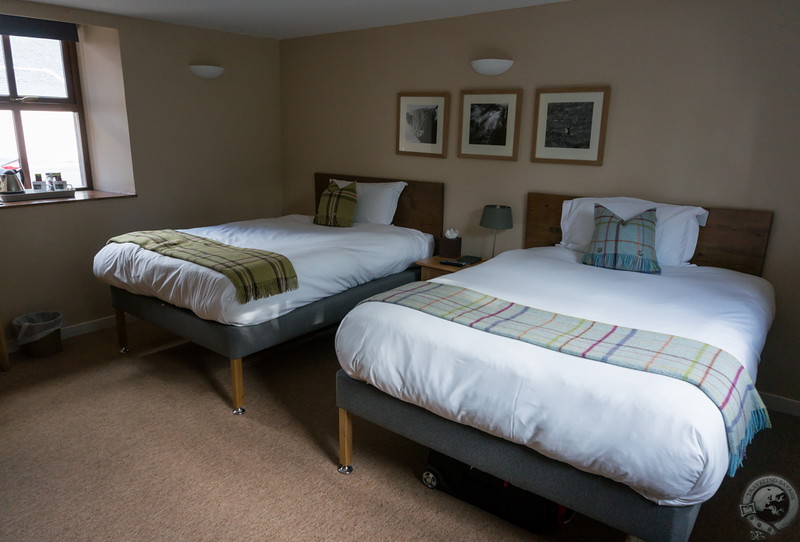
[732, 238]
[421, 204]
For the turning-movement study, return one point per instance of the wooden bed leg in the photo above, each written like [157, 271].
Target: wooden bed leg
[122, 331]
[345, 441]
[5, 364]
[237, 385]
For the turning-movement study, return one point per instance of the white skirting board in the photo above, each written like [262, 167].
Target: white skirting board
[781, 404]
[773, 402]
[93, 325]
[78, 329]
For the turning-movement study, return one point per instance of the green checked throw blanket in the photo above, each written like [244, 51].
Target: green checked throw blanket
[718, 374]
[254, 273]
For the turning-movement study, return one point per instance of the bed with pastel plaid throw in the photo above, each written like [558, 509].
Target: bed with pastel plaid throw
[254, 273]
[718, 374]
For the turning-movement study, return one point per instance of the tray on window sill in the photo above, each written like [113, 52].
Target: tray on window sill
[38, 194]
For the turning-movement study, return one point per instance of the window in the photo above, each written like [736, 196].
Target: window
[42, 127]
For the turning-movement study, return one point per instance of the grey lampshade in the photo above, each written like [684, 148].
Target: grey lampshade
[497, 217]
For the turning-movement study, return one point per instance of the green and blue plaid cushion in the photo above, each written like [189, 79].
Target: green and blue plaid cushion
[337, 206]
[626, 245]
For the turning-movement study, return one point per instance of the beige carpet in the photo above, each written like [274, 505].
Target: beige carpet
[96, 446]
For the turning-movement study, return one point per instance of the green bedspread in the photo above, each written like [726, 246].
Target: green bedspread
[254, 273]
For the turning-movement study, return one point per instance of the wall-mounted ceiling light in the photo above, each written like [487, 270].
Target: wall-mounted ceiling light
[491, 66]
[206, 71]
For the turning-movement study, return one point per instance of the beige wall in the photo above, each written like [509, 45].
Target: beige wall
[105, 110]
[203, 152]
[704, 109]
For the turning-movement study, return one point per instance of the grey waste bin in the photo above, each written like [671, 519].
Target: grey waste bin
[39, 333]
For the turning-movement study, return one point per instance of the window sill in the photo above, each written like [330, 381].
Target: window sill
[80, 195]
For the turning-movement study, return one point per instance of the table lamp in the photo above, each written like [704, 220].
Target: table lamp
[497, 217]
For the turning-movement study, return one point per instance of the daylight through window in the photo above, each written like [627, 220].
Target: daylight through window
[42, 129]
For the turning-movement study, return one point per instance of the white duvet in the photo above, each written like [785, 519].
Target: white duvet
[662, 437]
[327, 260]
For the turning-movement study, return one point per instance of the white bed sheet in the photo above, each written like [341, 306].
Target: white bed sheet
[662, 437]
[327, 261]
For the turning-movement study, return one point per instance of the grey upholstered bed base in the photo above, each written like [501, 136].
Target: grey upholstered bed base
[240, 341]
[602, 499]
[235, 342]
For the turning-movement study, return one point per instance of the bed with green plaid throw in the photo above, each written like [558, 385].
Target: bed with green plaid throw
[718, 374]
[254, 273]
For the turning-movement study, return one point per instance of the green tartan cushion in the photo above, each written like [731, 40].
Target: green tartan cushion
[626, 245]
[337, 206]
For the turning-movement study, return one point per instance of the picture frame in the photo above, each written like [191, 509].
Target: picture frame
[569, 125]
[489, 124]
[422, 120]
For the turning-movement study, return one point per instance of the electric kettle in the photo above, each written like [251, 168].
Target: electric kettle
[12, 181]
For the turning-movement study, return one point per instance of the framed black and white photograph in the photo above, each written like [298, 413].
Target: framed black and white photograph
[422, 123]
[569, 125]
[489, 126]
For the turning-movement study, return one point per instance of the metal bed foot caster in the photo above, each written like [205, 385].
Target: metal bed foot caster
[345, 469]
[238, 411]
[124, 350]
[431, 478]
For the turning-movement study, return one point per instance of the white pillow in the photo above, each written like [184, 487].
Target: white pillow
[677, 226]
[377, 202]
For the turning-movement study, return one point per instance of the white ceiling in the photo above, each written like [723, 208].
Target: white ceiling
[281, 19]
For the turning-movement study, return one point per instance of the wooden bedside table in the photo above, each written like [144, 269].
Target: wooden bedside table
[431, 268]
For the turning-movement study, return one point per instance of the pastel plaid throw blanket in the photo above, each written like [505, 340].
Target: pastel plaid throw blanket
[254, 273]
[718, 374]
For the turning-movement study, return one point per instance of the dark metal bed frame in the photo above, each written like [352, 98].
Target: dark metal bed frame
[735, 239]
[421, 206]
